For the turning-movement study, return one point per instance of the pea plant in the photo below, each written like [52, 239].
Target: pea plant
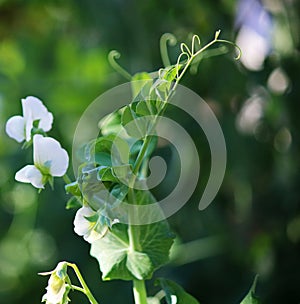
[128, 239]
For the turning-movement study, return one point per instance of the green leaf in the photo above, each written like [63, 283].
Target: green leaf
[93, 218]
[123, 173]
[65, 299]
[134, 125]
[139, 264]
[250, 297]
[119, 260]
[111, 124]
[115, 174]
[174, 291]
[127, 116]
[170, 73]
[73, 203]
[119, 191]
[73, 188]
[149, 107]
[107, 149]
[103, 144]
[140, 85]
[106, 175]
[103, 159]
[91, 186]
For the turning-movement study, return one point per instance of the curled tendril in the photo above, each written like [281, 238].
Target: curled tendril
[178, 64]
[166, 39]
[239, 51]
[160, 71]
[185, 49]
[112, 56]
[195, 38]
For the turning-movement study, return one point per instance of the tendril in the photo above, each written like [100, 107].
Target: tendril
[238, 56]
[188, 57]
[195, 37]
[193, 55]
[166, 39]
[185, 49]
[112, 56]
[160, 71]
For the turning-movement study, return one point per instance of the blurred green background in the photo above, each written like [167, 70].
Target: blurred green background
[57, 51]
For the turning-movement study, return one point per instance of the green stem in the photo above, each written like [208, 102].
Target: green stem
[141, 155]
[78, 288]
[139, 292]
[139, 287]
[67, 179]
[192, 56]
[85, 289]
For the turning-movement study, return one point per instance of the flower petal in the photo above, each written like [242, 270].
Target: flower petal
[15, 128]
[55, 289]
[30, 174]
[34, 109]
[84, 227]
[28, 126]
[46, 122]
[81, 225]
[49, 153]
[92, 236]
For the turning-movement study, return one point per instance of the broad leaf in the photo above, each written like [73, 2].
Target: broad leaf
[119, 260]
[139, 264]
[175, 294]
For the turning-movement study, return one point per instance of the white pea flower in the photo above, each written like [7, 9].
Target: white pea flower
[49, 158]
[57, 289]
[20, 127]
[86, 224]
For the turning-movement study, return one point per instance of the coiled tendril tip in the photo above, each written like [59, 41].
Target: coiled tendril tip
[112, 56]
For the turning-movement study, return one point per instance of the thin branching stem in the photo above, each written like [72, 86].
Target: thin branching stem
[85, 289]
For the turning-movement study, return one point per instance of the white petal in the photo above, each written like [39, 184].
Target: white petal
[60, 163]
[81, 225]
[15, 128]
[30, 174]
[28, 126]
[55, 290]
[34, 109]
[86, 228]
[46, 122]
[49, 153]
